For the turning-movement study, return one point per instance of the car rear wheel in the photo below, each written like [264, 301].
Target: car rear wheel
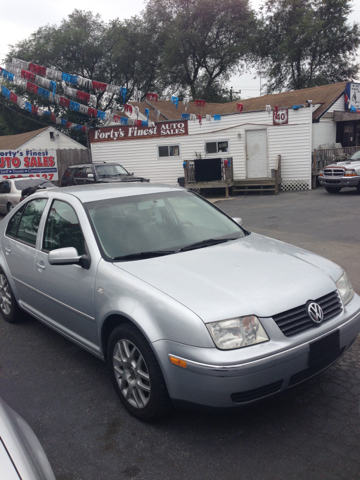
[136, 374]
[9, 308]
[333, 189]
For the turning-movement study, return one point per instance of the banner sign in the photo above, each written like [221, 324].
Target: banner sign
[28, 163]
[281, 117]
[352, 97]
[115, 133]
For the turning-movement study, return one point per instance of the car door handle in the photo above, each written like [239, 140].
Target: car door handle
[7, 250]
[40, 266]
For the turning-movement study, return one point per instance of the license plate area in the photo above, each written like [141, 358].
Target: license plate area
[324, 349]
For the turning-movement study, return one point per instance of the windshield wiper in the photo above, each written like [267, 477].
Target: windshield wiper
[142, 255]
[206, 243]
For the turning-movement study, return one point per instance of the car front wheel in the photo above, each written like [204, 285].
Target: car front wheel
[136, 374]
[333, 189]
[9, 309]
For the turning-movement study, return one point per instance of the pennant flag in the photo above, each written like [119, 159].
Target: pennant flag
[147, 113]
[123, 93]
[175, 101]
[200, 103]
[123, 121]
[152, 96]
[185, 116]
[200, 119]
[239, 107]
[217, 118]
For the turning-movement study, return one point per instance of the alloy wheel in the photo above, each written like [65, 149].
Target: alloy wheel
[131, 373]
[5, 295]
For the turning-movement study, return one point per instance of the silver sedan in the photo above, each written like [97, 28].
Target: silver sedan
[185, 305]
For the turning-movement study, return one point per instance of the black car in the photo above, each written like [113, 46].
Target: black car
[97, 173]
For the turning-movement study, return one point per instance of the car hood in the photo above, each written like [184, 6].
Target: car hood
[346, 164]
[252, 275]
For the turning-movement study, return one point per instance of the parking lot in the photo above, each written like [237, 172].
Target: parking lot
[311, 431]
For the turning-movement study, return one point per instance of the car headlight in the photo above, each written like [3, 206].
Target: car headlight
[345, 288]
[237, 332]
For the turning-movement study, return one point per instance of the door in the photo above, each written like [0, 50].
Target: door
[256, 154]
[19, 244]
[65, 293]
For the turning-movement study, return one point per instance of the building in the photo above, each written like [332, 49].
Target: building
[48, 138]
[251, 135]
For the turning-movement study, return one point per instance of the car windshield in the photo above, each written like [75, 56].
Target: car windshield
[32, 182]
[110, 170]
[355, 156]
[158, 224]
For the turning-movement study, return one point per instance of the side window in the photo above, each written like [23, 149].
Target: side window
[1, 186]
[80, 173]
[13, 225]
[62, 229]
[6, 188]
[26, 227]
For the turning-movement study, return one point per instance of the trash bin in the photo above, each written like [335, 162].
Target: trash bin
[181, 181]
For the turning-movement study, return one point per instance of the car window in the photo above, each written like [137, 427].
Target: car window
[164, 221]
[13, 224]
[63, 229]
[25, 223]
[6, 188]
[110, 170]
[1, 186]
[80, 173]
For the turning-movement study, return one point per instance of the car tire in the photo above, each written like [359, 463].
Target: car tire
[9, 309]
[333, 189]
[9, 207]
[136, 374]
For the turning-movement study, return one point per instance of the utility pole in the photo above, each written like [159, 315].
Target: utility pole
[232, 92]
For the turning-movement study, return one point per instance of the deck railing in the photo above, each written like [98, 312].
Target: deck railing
[326, 156]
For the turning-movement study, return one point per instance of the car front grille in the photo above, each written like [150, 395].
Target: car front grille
[334, 172]
[297, 319]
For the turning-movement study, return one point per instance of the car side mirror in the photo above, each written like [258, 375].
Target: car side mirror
[238, 220]
[69, 256]
[64, 256]
[132, 174]
[90, 175]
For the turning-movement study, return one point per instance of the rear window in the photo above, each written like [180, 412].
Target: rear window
[31, 182]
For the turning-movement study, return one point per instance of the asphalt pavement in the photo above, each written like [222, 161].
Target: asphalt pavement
[312, 431]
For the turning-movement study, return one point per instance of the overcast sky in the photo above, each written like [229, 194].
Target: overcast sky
[20, 18]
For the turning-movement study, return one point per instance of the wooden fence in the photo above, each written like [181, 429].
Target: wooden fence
[324, 157]
[71, 156]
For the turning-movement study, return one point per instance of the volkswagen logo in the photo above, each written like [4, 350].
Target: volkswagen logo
[315, 312]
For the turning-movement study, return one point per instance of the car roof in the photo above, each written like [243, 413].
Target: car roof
[107, 191]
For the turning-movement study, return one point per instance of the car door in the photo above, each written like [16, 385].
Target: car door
[19, 247]
[65, 293]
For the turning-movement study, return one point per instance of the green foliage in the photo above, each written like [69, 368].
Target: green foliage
[307, 43]
[203, 42]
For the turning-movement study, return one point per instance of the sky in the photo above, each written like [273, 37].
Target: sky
[19, 19]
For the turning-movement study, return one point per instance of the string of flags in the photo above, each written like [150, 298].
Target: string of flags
[76, 80]
[40, 112]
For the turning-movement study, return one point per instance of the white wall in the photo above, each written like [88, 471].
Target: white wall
[324, 132]
[43, 141]
[291, 141]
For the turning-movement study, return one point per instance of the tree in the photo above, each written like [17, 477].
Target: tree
[203, 42]
[307, 43]
[118, 53]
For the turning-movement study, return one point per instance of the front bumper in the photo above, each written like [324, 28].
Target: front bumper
[339, 181]
[213, 378]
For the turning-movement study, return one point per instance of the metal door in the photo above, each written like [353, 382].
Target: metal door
[256, 154]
